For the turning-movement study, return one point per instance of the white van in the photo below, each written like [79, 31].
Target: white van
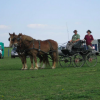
[0, 51]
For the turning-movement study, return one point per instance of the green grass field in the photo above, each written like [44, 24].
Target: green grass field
[48, 84]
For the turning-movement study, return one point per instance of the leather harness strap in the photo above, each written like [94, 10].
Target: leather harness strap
[51, 48]
[39, 45]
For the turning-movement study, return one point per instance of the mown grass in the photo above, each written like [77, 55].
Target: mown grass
[48, 84]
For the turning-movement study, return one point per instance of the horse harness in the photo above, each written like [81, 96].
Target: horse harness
[39, 49]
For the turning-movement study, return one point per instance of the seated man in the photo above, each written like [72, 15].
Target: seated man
[75, 38]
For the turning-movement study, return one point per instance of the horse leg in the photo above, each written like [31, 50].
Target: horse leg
[22, 60]
[35, 60]
[55, 55]
[32, 66]
[25, 63]
[54, 60]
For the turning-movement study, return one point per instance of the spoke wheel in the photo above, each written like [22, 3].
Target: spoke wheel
[78, 60]
[91, 60]
[65, 61]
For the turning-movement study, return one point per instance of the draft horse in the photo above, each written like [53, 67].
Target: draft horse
[22, 55]
[38, 47]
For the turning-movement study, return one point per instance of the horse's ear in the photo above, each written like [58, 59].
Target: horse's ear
[9, 33]
[20, 33]
[13, 33]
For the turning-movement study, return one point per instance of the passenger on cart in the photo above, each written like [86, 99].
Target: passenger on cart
[89, 39]
[74, 40]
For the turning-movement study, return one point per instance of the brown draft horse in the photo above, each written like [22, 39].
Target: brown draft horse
[22, 54]
[12, 39]
[37, 47]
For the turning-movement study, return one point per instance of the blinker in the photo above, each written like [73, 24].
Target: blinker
[18, 39]
[13, 39]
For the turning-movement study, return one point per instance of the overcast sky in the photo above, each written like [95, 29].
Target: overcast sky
[49, 19]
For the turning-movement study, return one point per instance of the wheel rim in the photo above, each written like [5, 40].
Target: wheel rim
[91, 59]
[65, 61]
[78, 60]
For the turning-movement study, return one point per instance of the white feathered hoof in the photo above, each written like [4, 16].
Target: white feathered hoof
[43, 66]
[25, 68]
[31, 68]
[53, 67]
[35, 68]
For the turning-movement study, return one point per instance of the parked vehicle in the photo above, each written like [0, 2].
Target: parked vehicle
[14, 53]
[1, 50]
[59, 50]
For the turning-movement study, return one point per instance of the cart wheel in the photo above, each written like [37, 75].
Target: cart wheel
[91, 59]
[65, 61]
[78, 60]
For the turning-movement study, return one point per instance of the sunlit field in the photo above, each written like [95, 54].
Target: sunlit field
[67, 83]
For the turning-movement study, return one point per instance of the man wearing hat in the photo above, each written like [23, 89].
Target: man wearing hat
[89, 38]
[75, 38]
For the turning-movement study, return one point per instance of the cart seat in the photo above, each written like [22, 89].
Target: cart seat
[67, 52]
[78, 46]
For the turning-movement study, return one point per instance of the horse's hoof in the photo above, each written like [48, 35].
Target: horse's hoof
[39, 66]
[25, 69]
[31, 69]
[35, 68]
[53, 67]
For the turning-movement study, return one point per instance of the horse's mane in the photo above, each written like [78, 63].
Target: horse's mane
[25, 37]
[28, 38]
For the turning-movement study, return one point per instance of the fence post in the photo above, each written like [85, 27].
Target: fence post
[8, 52]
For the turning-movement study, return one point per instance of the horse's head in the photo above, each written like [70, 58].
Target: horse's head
[12, 39]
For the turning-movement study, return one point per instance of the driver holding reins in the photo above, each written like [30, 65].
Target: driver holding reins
[75, 38]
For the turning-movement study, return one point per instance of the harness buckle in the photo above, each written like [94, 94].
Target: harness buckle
[39, 49]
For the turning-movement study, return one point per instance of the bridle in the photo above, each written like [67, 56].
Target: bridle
[15, 38]
[12, 39]
[19, 41]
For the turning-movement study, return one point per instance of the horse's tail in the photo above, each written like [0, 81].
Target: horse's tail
[54, 49]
